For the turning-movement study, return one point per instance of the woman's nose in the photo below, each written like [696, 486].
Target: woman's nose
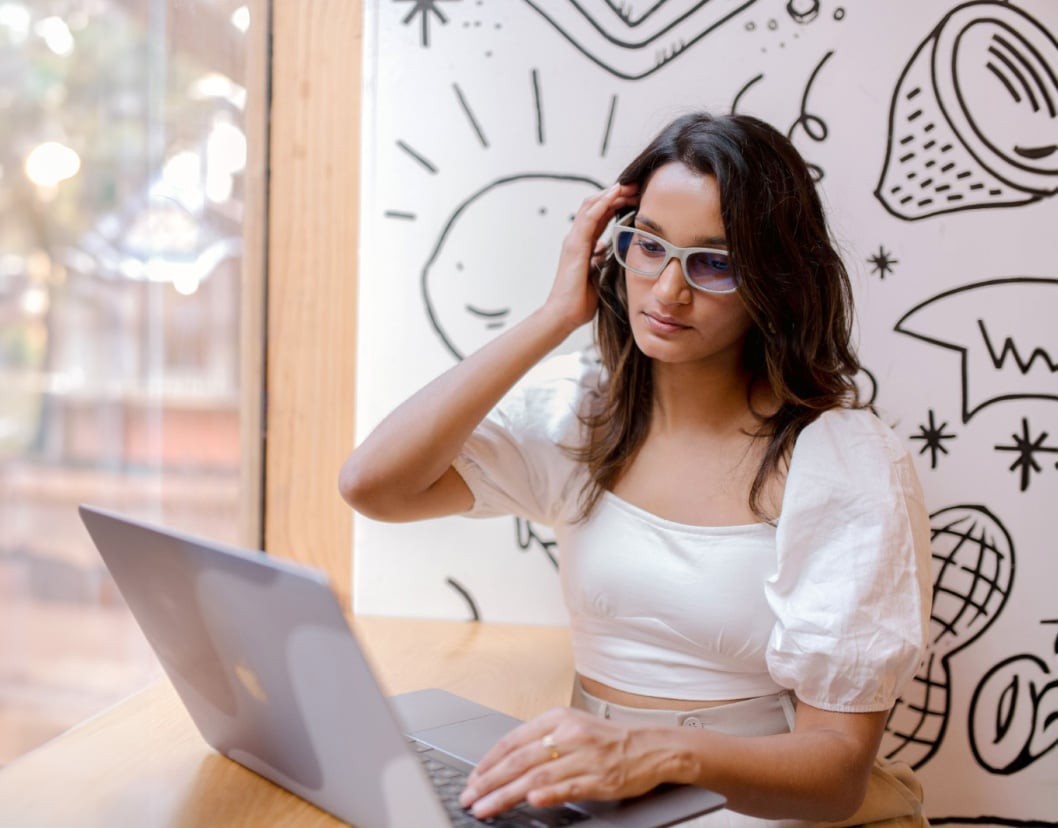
[670, 286]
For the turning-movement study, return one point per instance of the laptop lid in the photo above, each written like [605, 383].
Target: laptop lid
[262, 657]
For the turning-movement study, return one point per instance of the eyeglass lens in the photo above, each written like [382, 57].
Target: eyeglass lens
[642, 253]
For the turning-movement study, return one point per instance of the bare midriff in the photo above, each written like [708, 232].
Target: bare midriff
[615, 696]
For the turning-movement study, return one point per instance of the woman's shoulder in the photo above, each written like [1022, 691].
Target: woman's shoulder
[852, 449]
[553, 397]
[582, 368]
[566, 382]
[841, 431]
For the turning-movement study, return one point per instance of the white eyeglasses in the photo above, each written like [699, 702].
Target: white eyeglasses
[707, 269]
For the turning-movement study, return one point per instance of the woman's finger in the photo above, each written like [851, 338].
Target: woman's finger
[529, 733]
[541, 776]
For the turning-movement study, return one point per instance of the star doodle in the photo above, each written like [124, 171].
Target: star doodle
[881, 263]
[425, 8]
[932, 437]
[1026, 447]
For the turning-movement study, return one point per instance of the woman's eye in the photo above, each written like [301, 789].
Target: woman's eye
[651, 247]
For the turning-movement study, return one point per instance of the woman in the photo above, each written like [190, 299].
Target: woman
[744, 547]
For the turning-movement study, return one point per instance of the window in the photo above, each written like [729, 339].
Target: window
[130, 251]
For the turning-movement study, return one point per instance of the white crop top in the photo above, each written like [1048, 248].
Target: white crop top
[832, 603]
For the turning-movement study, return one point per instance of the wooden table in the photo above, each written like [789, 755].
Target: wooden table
[143, 763]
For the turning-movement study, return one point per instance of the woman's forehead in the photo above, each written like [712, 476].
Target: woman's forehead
[679, 202]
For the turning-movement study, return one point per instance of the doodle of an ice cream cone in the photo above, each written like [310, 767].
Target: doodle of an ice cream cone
[974, 118]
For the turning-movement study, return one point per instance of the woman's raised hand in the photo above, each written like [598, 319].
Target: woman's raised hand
[565, 755]
[573, 295]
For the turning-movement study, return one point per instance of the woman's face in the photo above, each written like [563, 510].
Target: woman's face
[671, 321]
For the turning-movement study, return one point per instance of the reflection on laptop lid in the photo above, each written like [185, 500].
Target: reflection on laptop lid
[263, 659]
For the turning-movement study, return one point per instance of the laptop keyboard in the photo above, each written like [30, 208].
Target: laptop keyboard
[450, 781]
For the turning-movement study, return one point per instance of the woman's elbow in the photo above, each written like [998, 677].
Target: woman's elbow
[356, 486]
[848, 793]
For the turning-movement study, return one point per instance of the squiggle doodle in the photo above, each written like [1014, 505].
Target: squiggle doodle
[811, 124]
[973, 563]
[1004, 329]
[635, 38]
[806, 122]
[974, 118]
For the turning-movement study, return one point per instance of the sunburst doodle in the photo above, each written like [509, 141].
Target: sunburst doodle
[1027, 447]
[933, 437]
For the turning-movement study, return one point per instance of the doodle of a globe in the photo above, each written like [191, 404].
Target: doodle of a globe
[495, 259]
[973, 569]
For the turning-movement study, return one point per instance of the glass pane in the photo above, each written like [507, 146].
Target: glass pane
[123, 186]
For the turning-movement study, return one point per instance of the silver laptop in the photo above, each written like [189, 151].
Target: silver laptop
[267, 666]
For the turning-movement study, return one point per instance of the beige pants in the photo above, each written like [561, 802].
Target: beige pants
[894, 795]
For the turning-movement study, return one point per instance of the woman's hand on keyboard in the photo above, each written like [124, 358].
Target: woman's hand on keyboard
[565, 755]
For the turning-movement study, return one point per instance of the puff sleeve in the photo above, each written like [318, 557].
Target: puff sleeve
[851, 592]
[514, 462]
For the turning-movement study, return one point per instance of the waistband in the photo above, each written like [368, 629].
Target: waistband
[761, 716]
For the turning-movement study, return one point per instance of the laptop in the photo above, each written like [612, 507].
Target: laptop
[263, 659]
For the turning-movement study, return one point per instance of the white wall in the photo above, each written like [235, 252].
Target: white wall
[934, 128]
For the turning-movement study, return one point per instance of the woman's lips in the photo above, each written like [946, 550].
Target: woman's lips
[663, 324]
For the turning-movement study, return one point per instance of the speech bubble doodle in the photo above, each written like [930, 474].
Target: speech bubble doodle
[635, 38]
[974, 117]
[1005, 331]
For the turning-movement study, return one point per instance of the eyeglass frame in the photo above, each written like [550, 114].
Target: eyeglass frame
[672, 251]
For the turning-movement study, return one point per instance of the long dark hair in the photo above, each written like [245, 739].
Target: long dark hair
[791, 280]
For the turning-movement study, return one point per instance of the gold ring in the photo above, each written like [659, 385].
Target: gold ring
[549, 744]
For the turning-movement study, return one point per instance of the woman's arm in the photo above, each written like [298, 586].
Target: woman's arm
[818, 772]
[403, 470]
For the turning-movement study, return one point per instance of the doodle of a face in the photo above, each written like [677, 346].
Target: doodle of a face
[496, 257]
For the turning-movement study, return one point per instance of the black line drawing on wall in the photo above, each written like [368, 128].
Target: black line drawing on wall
[933, 437]
[1027, 447]
[468, 599]
[634, 38]
[1005, 331]
[473, 121]
[806, 122]
[1013, 718]
[425, 8]
[882, 262]
[802, 11]
[973, 121]
[973, 570]
[528, 535]
[474, 290]
[866, 386]
[745, 88]
[809, 123]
